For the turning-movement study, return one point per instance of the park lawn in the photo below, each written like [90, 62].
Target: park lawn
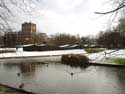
[118, 60]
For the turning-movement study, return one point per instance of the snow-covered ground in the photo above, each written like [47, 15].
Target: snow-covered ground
[37, 56]
[7, 49]
[20, 53]
[107, 55]
[101, 57]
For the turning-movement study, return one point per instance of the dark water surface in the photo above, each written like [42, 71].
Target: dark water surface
[56, 78]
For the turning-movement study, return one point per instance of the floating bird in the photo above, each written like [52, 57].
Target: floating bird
[74, 73]
[71, 73]
[21, 86]
[18, 74]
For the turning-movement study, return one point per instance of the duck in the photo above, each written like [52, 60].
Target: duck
[21, 86]
[72, 73]
[18, 74]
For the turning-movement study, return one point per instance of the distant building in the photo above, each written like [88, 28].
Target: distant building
[1, 39]
[29, 27]
[9, 39]
[27, 35]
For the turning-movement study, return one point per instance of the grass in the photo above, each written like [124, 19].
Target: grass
[93, 50]
[7, 51]
[119, 60]
[4, 89]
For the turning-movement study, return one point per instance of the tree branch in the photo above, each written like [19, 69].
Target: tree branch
[6, 22]
[108, 12]
[7, 11]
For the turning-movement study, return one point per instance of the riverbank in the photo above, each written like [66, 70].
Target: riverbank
[104, 57]
[21, 54]
[4, 89]
[107, 64]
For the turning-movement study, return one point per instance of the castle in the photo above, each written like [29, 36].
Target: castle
[27, 35]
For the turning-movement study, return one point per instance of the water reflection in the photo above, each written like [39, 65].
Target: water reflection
[27, 69]
[10, 66]
[121, 78]
[75, 65]
[57, 78]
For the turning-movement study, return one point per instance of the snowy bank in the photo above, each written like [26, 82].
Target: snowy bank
[101, 57]
[20, 53]
[107, 55]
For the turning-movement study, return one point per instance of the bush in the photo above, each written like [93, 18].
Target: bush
[40, 48]
[7, 51]
[74, 59]
[93, 50]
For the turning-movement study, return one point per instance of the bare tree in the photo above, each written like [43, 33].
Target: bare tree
[119, 5]
[8, 7]
[63, 38]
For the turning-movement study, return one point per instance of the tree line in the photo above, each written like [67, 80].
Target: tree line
[110, 38]
[64, 38]
[113, 38]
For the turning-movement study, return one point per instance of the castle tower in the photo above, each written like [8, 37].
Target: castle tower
[28, 33]
[28, 27]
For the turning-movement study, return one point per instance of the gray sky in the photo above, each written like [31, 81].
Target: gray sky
[70, 16]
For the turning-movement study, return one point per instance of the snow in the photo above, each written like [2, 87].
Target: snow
[100, 57]
[42, 45]
[26, 45]
[92, 45]
[8, 49]
[73, 46]
[67, 45]
[21, 53]
[107, 55]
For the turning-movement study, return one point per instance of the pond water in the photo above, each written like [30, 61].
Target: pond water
[56, 78]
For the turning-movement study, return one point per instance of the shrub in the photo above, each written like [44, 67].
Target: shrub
[93, 50]
[74, 59]
[7, 51]
[40, 48]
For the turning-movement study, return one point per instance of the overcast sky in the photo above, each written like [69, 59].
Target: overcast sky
[70, 16]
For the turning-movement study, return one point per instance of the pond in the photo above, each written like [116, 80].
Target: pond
[56, 78]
